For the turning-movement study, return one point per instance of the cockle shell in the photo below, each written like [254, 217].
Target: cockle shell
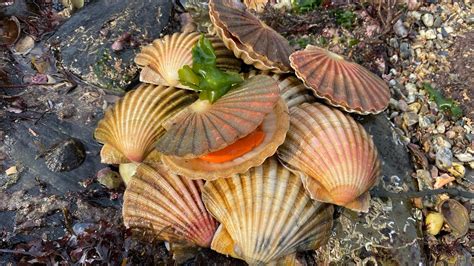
[161, 60]
[265, 214]
[275, 125]
[342, 83]
[456, 216]
[167, 206]
[129, 129]
[248, 37]
[204, 127]
[335, 156]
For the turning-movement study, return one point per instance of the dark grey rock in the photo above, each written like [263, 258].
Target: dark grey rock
[400, 29]
[405, 51]
[84, 42]
[65, 155]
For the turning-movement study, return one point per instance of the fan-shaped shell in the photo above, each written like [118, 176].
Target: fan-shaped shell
[129, 129]
[342, 83]
[203, 127]
[167, 206]
[338, 158]
[161, 60]
[292, 90]
[275, 125]
[248, 37]
[265, 214]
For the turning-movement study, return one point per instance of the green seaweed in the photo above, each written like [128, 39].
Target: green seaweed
[344, 18]
[302, 6]
[204, 76]
[447, 105]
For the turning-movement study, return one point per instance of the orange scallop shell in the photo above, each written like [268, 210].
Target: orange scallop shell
[335, 156]
[167, 206]
[342, 83]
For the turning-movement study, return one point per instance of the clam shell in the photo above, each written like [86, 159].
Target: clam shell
[456, 216]
[342, 83]
[248, 37]
[161, 60]
[168, 207]
[275, 125]
[265, 214]
[129, 129]
[335, 156]
[203, 127]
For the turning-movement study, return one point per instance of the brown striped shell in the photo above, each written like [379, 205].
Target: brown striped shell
[342, 83]
[161, 60]
[248, 37]
[129, 129]
[275, 125]
[204, 127]
[336, 157]
[167, 207]
[265, 214]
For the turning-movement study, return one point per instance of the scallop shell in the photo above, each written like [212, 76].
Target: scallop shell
[167, 206]
[342, 83]
[248, 37]
[129, 129]
[334, 154]
[265, 214]
[292, 90]
[161, 60]
[203, 127]
[275, 125]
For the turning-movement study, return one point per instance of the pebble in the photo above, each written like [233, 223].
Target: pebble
[441, 129]
[410, 118]
[457, 170]
[405, 51]
[393, 42]
[431, 34]
[108, 178]
[464, 157]
[428, 19]
[444, 158]
[437, 22]
[400, 29]
[424, 122]
[444, 33]
[450, 134]
[470, 19]
[65, 155]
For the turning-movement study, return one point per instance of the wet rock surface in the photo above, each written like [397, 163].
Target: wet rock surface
[65, 155]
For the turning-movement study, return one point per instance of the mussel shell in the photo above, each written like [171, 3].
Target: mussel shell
[130, 129]
[275, 125]
[161, 60]
[248, 37]
[342, 83]
[456, 216]
[265, 214]
[167, 207]
[334, 155]
[203, 127]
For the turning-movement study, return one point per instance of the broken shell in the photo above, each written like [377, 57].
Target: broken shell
[204, 127]
[455, 215]
[342, 83]
[275, 125]
[265, 214]
[9, 30]
[24, 45]
[248, 37]
[161, 60]
[434, 222]
[130, 129]
[337, 159]
[167, 206]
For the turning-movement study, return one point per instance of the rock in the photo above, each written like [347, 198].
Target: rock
[400, 29]
[405, 51]
[393, 42]
[65, 155]
[437, 22]
[457, 170]
[470, 19]
[430, 34]
[415, 14]
[428, 19]
[441, 129]
[410, 118]
[444, 158]
[464, 157]
[84, 42]
[444, 33]
[108, 178]
[450, 134]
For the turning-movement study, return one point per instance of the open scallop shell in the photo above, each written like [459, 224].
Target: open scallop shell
[334, 154]
[342, 83]
[275, 125]
[248, 37]
[167, 206]
[265, 214]
[161, 60]
[129, 129]
[203, 127]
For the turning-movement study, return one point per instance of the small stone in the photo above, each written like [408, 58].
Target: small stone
[444, 33]
[457, 170]
[415, 14]
[414, 107]
[448, 29]
[431, 34]
[412, 77]
[470, 19]
[108, 178]
[400, 29]
[434, 222]
[402, 105]
[393, 42]
[65, 155]
[465, 157]
[441, 129]
[410, 118]
[444, 158]
[11, 171]
[424, 122]
[450, 134]
[437, 22]
[405, 51]
[428, 19]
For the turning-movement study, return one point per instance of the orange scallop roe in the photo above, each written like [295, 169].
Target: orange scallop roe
[236, 149]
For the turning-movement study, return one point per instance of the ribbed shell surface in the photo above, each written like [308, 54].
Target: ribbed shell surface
[130, 128]
[194, 133]
[265, 214]
[275, 125]
[167, 206]
[337, 156]
[161, 60]
[342, 83]
[248, 37]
